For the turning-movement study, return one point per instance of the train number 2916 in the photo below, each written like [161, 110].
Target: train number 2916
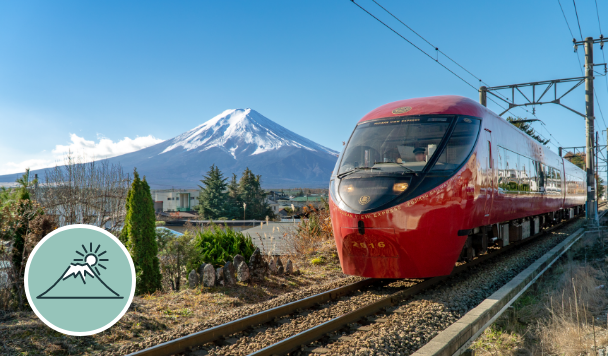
[371, 245]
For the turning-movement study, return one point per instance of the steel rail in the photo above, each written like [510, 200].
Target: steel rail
[315, 333]
[218, 332]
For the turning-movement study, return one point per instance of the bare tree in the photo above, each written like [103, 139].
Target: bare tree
[80, 192]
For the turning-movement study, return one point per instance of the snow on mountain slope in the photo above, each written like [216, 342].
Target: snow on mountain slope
[233, 141]
[238, 131]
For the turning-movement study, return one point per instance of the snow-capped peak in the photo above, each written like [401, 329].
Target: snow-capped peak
[237, 130]
[78, 269]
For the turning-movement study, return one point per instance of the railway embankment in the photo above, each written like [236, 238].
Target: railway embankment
[565, 312]
[408, 326]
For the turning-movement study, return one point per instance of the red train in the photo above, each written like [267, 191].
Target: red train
[425, 182]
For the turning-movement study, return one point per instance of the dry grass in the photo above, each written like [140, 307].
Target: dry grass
[564, 313]
[22, 333]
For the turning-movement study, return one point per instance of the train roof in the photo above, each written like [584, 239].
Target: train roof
[432, 105]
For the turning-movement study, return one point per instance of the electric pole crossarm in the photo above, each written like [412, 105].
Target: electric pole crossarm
[574, 87]
[544, 82]
[574, 111]
[549, 84]
[534, 86]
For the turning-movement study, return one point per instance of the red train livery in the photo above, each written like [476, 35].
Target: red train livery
[425, 182]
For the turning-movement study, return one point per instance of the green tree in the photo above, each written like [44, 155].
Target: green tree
[139, 235]
[212, 197]
[600, 188]
[234, 205]
[176, 254]
[17, 210]
[527, 128]
[578, 161]
[251, 193]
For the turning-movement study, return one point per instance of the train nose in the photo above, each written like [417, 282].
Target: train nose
[371, 251]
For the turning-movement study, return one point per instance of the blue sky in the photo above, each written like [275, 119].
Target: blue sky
[90, 74]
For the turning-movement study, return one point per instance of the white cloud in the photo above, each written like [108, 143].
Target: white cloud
[104, 148]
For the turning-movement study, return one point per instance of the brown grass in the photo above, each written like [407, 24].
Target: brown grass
[563, 314]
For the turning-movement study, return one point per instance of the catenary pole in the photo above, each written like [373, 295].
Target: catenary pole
[483, 96]
[589, 120]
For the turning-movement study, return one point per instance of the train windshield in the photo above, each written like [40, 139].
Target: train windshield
[394, 145]
[407, 144]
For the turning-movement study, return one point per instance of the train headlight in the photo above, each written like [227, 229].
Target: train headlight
[400, 187]
[349, 188]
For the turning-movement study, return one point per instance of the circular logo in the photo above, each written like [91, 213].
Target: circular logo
[402, 110]
[80, 280]
[364, 199]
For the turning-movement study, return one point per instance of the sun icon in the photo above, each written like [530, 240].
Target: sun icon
[92, 258]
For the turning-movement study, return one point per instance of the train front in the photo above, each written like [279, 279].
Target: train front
[399, 192]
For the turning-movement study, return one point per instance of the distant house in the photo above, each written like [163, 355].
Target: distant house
[316, 201]
[175, 200]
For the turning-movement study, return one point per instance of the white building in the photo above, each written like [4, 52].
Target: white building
[175, 199]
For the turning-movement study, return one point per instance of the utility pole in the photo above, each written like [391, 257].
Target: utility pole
[597, 174]
[590, 124]
[483, 96]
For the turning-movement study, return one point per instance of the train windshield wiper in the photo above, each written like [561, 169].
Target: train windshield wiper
[354, 170]
[400, 165]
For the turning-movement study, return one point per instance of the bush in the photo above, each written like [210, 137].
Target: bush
[217, 246]
[176, 253]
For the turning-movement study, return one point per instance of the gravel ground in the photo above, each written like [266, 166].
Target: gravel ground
[434, 310]
[291, 325]
[227, 315]
[405, 327]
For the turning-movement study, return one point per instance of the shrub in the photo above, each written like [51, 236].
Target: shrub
[217, 245]
[176, 253]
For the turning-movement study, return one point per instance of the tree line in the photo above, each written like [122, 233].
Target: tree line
[242, 199]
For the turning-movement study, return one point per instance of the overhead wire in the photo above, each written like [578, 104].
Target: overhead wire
[436, 48]
[563, 13]
[436, 60]
[577, 19]
[599, 23]
[418, 48]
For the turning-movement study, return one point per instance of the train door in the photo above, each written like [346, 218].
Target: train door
[489, 172]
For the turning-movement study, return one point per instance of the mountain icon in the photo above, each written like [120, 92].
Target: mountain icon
[79, 281]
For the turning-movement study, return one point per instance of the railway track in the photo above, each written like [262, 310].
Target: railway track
[371, 296]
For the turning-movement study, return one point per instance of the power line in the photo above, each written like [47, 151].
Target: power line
[599, 23]
[418, 48]
[436, 48]
[577, 20]
[597, 12]
[563, 13]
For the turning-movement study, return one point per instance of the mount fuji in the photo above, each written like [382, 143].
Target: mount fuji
[233, 140]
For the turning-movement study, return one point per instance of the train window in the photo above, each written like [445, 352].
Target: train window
[394, 145]
[558, 180]
[541, 176]
[533, 176]
[459, 146]
[525, 175]
[501, 169]
[511, 171]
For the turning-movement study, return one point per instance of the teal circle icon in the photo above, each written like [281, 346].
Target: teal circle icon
[80, 280]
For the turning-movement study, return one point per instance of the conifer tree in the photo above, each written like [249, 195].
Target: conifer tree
[212, 198]
[527, 128]
[139, 235]
[234, 206]
[251, 193]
